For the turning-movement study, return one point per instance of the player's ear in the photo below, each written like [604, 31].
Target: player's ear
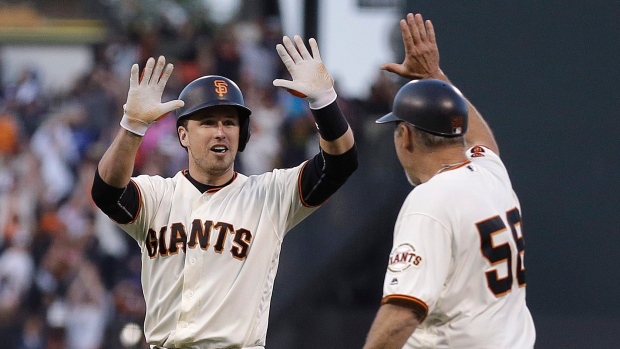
[182, 132]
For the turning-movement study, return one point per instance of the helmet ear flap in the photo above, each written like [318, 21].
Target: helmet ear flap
[245, 131]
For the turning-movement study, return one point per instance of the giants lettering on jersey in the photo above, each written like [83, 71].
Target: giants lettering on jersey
[199, 236]
[403, 257]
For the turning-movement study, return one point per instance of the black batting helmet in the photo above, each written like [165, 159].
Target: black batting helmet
[430, 105]
[212, 90]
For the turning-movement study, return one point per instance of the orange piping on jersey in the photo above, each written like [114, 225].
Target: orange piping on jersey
[139, 202]
[139, 205]
[407, 299]
[301, 198]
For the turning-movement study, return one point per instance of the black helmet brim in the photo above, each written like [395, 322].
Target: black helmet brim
[390, 117]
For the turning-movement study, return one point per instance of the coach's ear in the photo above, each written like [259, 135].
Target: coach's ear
[403, 136]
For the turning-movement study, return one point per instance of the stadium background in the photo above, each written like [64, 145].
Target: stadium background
[544, 74]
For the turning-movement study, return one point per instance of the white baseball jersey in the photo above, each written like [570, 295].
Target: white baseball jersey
[209, 260]
[458, 252]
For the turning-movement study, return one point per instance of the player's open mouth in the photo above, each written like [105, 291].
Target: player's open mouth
[220, 149]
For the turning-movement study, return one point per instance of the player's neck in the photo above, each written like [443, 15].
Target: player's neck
[204, 187]
[214, 179]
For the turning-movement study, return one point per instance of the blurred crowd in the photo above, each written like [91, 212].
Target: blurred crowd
[69, 278]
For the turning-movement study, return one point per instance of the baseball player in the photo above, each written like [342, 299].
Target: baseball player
[210, 237]
[456, 272]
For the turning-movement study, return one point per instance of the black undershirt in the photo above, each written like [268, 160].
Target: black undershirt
[204, 187]
[322, 176]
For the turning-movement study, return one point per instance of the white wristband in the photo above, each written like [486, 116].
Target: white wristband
[133, 125]
[323, 100]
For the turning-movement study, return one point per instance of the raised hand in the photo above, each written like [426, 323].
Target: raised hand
[144, 106]
[310, 77]
[421, 52]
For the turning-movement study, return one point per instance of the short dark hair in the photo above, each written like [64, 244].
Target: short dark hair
[183, 122]
[432, 141]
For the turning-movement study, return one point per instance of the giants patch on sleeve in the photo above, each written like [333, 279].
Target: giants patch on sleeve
[403, 257]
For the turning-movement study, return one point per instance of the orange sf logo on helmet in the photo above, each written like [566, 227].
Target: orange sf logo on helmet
[221, 87]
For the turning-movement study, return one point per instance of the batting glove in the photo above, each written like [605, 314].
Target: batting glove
[144, 105]
[310, 77]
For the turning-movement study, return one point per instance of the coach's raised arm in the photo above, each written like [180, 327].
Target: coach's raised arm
[449, 278]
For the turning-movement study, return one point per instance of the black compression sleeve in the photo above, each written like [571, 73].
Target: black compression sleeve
[120, 204]
[324, 174]
[330, 121]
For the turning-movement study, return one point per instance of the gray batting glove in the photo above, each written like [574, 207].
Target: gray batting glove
[144, 105]
[310, 77]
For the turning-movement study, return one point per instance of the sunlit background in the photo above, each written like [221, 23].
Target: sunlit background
[544, 74]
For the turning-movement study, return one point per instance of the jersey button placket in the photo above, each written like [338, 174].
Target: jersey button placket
[189, 309]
